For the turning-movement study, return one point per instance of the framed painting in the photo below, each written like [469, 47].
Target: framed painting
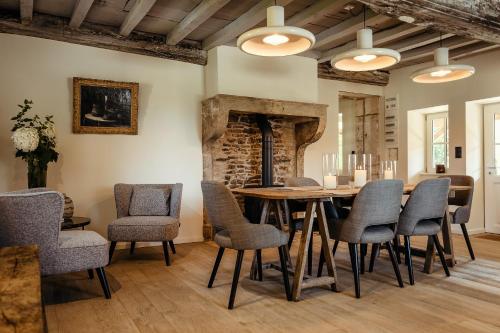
[104, 107]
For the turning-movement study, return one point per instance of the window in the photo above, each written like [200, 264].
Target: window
[341, 151]
[437, 149]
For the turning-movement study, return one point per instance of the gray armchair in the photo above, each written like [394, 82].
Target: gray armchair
[145, 217]
[239, 234]
[34, 217]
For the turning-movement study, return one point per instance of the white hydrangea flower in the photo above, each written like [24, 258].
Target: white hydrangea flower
[26, 139]
[50, 131]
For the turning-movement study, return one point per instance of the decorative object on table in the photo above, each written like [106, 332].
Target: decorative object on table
[69, 207]
[440, 168]
[388, 169]
[104, 107]
[330, 167]
[360, 168]
[35, 141]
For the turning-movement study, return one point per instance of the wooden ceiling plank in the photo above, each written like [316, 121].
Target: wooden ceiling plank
[473, 49]
[135, 16]
[428, 50]
[468, 18]
[379, 38]
[378, 78]
[245, 22]
[348, 27]
[26, 11]
[315, 11]
[419, 41]
[80, 11]
[194, 19]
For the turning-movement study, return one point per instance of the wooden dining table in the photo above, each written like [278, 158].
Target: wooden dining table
[275, 199]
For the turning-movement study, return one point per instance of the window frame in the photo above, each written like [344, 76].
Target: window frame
[429, 143]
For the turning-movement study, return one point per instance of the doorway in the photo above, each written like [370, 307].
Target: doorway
[492, 167]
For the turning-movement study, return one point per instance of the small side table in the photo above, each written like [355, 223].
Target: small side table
[75, 222]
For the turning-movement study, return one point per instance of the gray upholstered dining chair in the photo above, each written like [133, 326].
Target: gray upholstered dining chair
[462, 199]
[236, 232]
[372, 220]
[423, 215]
[34, 217]
[146, 213]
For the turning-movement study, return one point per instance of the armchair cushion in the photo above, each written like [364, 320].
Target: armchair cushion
[143, 229]
[248, 236]
[149, 201]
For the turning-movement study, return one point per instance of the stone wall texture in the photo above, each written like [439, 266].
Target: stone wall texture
[237, 155]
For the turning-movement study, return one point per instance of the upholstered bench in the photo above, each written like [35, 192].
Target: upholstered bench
[146, 213]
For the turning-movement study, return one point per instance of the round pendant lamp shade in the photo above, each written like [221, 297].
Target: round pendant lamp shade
[276, 39]
[365, 57]
[442, 71]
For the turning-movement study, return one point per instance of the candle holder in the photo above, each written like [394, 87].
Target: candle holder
[330, 167]
[360, 168]
[388, 169]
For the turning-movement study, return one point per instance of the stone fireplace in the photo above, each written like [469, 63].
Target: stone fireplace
[232, 143]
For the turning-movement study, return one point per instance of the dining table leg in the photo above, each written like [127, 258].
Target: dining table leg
[264, 216]
[281, 223]
[447, 244]
[325, 243]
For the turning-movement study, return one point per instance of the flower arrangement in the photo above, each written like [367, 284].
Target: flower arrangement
[35, 141]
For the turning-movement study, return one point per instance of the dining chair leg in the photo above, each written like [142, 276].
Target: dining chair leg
[236, 276]
[132, 247]
[216, 267]
[408, 259]
[364, 250]
[396, 248]
[441, 254]
[111, 250]
[165, 253]
[353, 251]
[284, 271]
[259, 264]
[467, 241]
[290, 239]
[310, 255]
[90, 272]
[172, 246]
[335, 245]
[394, 263]
[104, 282]
[373, 256]
[321, 262]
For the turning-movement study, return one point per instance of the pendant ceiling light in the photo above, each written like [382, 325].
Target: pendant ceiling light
[365, 57]
[442, 71]
[276, 39]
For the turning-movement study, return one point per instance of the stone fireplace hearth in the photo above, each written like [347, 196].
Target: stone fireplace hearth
[232, 143]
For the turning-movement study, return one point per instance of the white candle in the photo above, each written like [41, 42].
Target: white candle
[388, 174]
[330, 182]
[359, 178]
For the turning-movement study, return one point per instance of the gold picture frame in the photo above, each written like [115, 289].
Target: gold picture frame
[104, 107]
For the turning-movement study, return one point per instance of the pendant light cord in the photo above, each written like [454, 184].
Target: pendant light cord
[364, 16]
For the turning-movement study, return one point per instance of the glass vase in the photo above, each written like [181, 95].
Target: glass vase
[37, 174]
[388, 169]
[330, 167]
[360, 168]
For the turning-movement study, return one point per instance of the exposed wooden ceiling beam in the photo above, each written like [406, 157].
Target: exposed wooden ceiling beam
[418, 41]
[243, 23]
[26, 11]
[428, 50]
[347, 27]
[378, 78]
[80, 11]
[56, 28]
[135, 16]
[197, 16]
[469, 18]
[315, 11]
[472, 50]
[379, 38]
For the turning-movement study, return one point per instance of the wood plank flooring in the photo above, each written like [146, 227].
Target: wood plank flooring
[150, 297]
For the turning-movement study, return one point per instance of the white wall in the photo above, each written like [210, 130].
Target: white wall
[230, 71]
[484, 84]
[167, 149]
[329, 94]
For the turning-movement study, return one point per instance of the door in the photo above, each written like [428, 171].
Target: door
[492, 168]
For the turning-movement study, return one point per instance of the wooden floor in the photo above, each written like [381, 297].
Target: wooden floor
[150, 297]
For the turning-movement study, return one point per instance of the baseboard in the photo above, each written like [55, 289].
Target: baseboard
[180, 240]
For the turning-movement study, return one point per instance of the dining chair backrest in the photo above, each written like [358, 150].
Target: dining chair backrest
[462, 197]
[221, 206]
[377, 203]
[427, 201]
[300, 181]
